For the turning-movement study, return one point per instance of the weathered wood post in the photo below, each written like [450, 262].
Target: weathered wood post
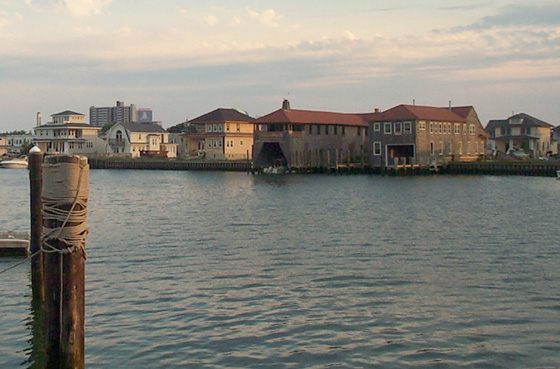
[65, 194]
[36, 207]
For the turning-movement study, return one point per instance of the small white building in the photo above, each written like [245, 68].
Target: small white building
[139, 139]
[13, 144]
[69, 134]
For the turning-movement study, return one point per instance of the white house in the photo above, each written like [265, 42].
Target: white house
[139, 139]
[69, 134]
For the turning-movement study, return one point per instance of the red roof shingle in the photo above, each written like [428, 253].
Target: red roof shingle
[312, 117]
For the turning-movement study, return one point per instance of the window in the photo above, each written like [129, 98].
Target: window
[441, 147]
[431, 127]
[310, 129]
[343, 130]
[318, 130]
[238, 127]
[335, 129]
[457, 128]
[387, 128]
[440, 128]
[220, 143]
[240, 143]
[450, 146]
[327, 129]
[421, 125]
[407, 128]
[398, 128]
[476, 147]
[377, 148]
[227, 127]
[464, 129]
[460, 147]
[471, 129]
[220, 128]
[376, 127]
[431, 148]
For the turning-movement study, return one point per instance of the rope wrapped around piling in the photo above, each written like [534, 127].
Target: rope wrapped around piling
[65, 195]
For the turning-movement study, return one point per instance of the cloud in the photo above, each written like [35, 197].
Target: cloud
[519, 15]
[267, 17]
[7, 18]
[211, 20]
[77, 8]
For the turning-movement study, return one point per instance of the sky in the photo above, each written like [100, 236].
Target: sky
[184, 58]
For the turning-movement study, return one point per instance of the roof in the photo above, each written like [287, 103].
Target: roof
[412, 112]
[312, 117]
[143, 127]
[67, 112]
[512, 137]
[462, 111]
[223, 115]
[528, 121]
[77, 125]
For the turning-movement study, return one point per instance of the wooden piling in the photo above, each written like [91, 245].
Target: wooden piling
[65, 191]
[35, 162]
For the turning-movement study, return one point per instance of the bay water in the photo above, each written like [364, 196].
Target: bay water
[230, 270]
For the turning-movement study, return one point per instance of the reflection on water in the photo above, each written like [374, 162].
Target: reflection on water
[229, 270]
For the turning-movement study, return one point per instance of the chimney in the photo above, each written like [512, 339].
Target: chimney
[286, 104]
[449, 105]
[376, 110]
[414, 102]
[39, 119]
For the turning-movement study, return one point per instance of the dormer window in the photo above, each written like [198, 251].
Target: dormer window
[516, 121]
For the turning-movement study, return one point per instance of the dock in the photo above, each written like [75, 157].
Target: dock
[13, 243]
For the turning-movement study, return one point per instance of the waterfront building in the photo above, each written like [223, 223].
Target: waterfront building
[179, 139]
[521, 134]
[555, 140]
[3, 146]
[308, 139]
[120, 113]
[13, 144]
[222, 134]
[139, 139]
[69, 134]
[424, 136]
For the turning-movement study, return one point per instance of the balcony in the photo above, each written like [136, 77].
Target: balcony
[116, 142]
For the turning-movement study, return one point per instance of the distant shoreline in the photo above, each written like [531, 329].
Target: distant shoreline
[541, 169]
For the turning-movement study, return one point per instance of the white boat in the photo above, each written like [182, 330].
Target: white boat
[16, 163]
[14, 243]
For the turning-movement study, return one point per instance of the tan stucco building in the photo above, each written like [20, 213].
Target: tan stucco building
[521, 133]
[222, 134]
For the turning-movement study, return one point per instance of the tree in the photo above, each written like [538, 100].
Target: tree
[178, 128]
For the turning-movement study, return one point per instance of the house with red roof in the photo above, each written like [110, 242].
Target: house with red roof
[308, 139]
[222, 134]
[424, 136]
